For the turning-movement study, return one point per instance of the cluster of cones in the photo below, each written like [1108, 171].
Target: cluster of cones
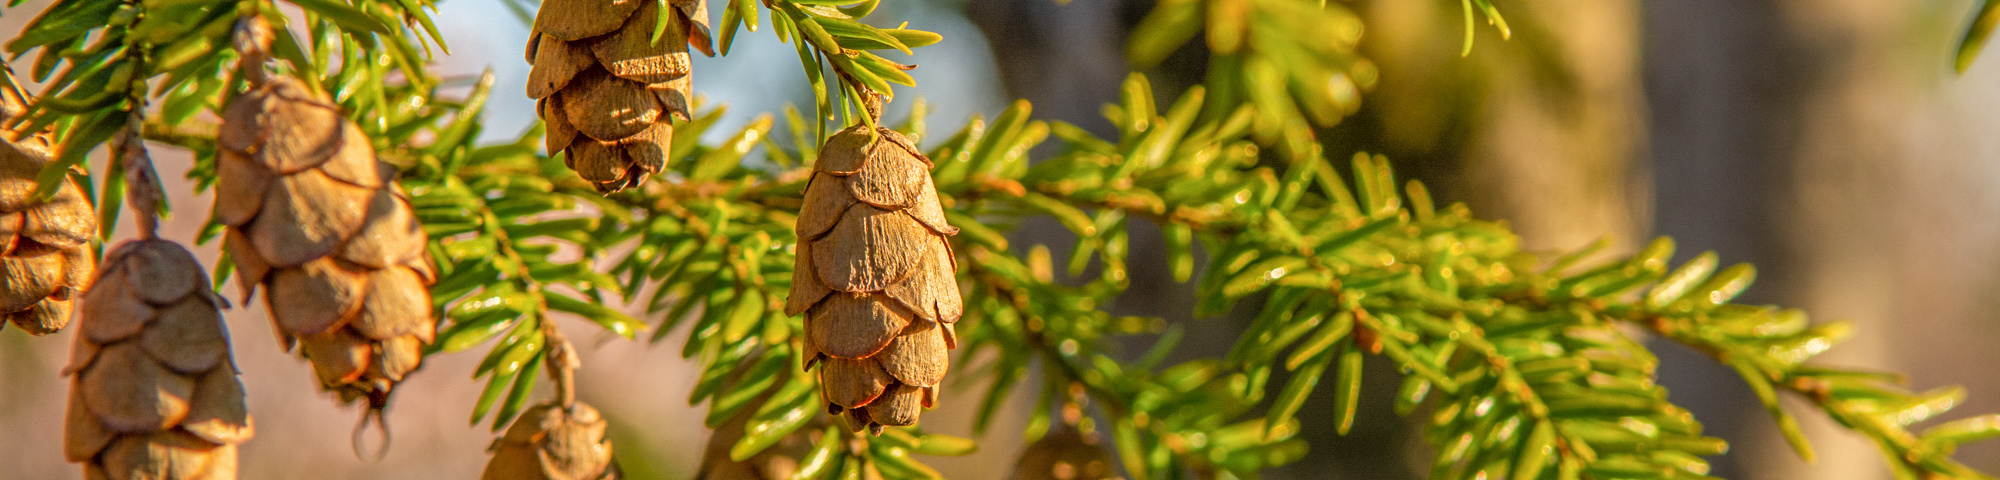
[314, 218]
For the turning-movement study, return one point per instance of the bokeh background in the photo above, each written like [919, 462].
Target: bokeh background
[1826, 141]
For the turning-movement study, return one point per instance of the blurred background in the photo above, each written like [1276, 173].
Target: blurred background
[1826, 141]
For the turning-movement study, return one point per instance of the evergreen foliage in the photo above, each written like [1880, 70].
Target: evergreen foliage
[1517, 366]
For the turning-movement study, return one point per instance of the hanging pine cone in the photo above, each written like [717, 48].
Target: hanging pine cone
[876, 279]
[548, 442]
[154, 393]
[43, 260]
[317, 220]
[1064, 455]
[606, 89]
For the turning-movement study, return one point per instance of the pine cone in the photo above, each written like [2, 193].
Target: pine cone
[548, 443]
[876, 279]
[317, 220]
[606, 89]
[43, 262]
[154, 393]
[1064, 455]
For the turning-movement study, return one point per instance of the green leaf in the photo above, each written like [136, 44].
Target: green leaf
[763, 431]
[809, 28]
[744, 312]
[887, 70]
[826, 453]
[81, 140]
[945, 445]
[732, 19]
[1963, 430]
[914, 38]
[344, 14]
[65, 20]
[747, 9]
[609, 318]
[755, 383]
[1769, 396]
[520, 348]
[1322, 341]
[861, 9]
[897, 463]
[517, 397]
[1070, 217]
[1163, 31]
[487, 396]
[844, 28]
[1286, 405]
[1347, 393]
[1681, 281]
[464, 335]
[1724, 286]
[1179, 239]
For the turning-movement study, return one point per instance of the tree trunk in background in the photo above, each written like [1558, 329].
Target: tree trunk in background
[1717, 79]
[1825, 141]
[1543, 130]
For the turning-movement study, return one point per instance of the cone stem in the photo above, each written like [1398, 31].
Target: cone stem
[252, 39]
[142, 183]
[871, 100]
[562, 363]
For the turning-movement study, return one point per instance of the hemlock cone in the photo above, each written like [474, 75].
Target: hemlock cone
[876, 279]
[317, 220]
[1064, 454]
[43, 260]
[606, 89]
[154, 394]
[548, 442]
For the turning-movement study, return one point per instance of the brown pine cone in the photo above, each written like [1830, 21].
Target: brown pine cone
[548, 443]
[876, 279]
[43, 260]
[1064, 455]
[606, 89]
[154, 394]
[317, 220]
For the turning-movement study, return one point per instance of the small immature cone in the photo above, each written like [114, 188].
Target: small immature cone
[1064, 455]
[548, 442]
[606, 89]
[876, 279]
[44, 262]
[317, 220]
[154, 394]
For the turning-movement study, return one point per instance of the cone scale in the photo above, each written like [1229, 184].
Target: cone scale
[316, 219]
[876, 279]
[607, 89]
